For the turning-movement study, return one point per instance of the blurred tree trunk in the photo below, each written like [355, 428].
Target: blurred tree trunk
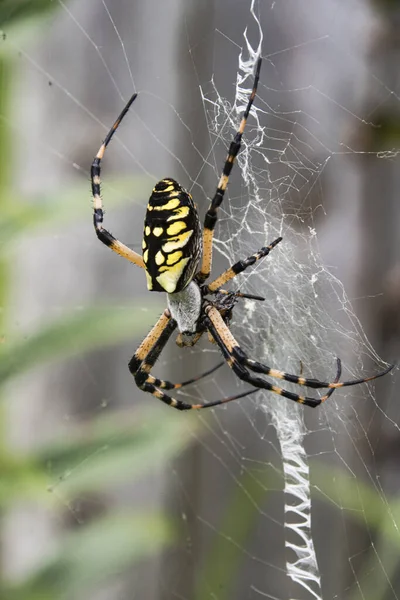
[379, 276]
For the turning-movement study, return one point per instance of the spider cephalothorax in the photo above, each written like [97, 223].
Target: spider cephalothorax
[173, 245]
[188, 309]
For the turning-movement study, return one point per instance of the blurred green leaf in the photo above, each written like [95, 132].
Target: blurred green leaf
[219, 575]
[105, 451]
[19, 10]
[74, 334]
[74, 202]
[115, 447]
[362, 502]
[94, 554]
[367, 506]
[22, 21]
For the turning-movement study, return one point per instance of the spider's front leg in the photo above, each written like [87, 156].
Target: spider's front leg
[98, 215]
[212, 213]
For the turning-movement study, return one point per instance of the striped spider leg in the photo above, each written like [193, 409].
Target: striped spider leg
[146, 356]
[239, 267]
[239, 362]
[212, 213]
[149, 351]
[98, 215]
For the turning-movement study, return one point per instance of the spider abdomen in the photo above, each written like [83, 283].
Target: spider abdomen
[172, 238]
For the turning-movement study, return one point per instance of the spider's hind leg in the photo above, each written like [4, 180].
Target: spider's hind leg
[229, 348]
[168, 385]
[98, 213]
[240, 363]
[147, 355]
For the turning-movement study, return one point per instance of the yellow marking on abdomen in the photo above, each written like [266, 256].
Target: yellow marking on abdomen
[149, 281]
[145, 255]
[157, 231]
[144, 244]
[160, 258]
[170, 277]
[172, 258]
[147, 230]
[170, 188]
[179, 242]
[175, 228]
[170, 205]
[179, 213]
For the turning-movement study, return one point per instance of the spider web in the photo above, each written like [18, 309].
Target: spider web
[281, 164]
[315, 510]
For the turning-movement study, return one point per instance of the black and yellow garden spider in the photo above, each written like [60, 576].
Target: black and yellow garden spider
[173, 245]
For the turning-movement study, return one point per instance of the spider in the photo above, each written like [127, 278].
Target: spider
[173, 245]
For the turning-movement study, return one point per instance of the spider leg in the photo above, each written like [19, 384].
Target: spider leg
[179, 405]
[227, 343]
[257, 367]
[211, 215]
[239, 357]
[241, 266]
[105, 236]
[146, 356]
[168, 385]
[150, 349]
[240, 295]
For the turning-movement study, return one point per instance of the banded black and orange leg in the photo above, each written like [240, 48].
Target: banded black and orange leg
[179, 405]
[228, 346]
[105, 236]
[145, 358]
[153, 343]
[168, 385]
[239, 355]
[211, 215]
[240, 266]
[239, 362]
